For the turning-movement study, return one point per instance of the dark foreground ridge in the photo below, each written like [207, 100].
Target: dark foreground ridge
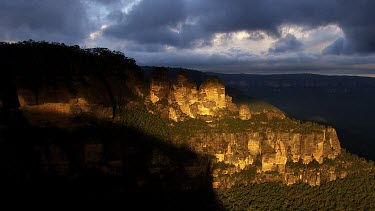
[100, 162]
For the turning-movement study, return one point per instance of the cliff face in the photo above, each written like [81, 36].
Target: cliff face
[167, 136]
[211, 96]
[186, 101]
[232, 135]
[183, 96]
[272, 149]
[88, 95]
[159, 87]
[260, 142]
[244, 112]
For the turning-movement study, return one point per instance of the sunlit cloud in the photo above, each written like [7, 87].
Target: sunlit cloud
[96, 34]
[130, 5]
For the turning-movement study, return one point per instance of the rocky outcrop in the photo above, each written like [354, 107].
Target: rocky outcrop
[185, 101]
[244, 112]
[228, 177]
[232, 107]
[268, 151]
[274, 148]
[159, 87]
[183, 96]
[211, 96]
[47, 94]
[86, 94]
[271, 114]
[268, 146]
[59, 104]
[209, 103]
[61, 114]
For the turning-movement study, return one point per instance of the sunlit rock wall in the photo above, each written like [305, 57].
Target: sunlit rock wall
[184, 93]
[274, 148]
[211, 96]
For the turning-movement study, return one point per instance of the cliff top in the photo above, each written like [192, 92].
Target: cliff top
[212, 81]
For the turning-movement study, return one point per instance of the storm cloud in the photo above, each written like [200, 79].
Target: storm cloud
[50, 20]
[212, 35]
[184, 24]
[285, 44]
[338, 47]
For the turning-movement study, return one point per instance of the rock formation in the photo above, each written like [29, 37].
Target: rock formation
[240, 151]
[274, 148]
[270, 146]
[260, 144]
[184, 96]
[211, 96]
[166, 135]
[159, 87]
[245, 112]
[185, 101]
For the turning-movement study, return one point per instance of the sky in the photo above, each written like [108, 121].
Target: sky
[239, 36]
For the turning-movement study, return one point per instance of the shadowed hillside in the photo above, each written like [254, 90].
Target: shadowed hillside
[101, 162]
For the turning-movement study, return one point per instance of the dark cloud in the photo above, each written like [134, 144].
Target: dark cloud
[248, 63]
[286, 44]
[106, 2]
[156, 21]
[145, 48]
[51, 20]
[336, 48]
[357, 21]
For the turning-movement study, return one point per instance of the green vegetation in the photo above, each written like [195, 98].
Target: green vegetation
[344, 162]
[355, 192]
[313, 164]
[146, 122]
[259, 105]
[163, 102]
[295, 165]
[351, 163]
[185, 129]
[258, 123]
[245, 175]
[258, 161]
[222, 165]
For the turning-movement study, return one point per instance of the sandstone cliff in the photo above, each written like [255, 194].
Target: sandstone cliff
[231, 134]
[241, 138]
[207, 122]
[185, 101]
[87, 95]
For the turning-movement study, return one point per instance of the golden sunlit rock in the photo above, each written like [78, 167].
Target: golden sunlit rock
[245, 113]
